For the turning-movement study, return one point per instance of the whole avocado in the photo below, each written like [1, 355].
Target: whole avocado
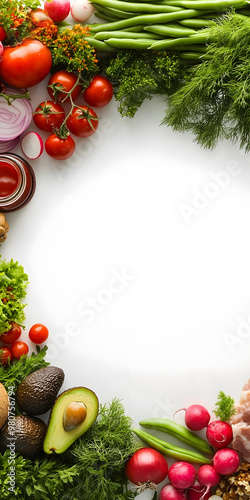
[26, 434]
[38, 391]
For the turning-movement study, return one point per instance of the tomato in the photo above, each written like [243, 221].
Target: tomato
[12, 335]
[40, 18]
[6, 356]
[48, 115]
[38, 333]
[82, 122]
[19, 348]
[65, 81]
[26, 64]
[3, 34]
[59, 149]
[99, 92]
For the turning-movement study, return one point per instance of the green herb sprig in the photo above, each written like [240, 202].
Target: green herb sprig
[224, 407]
[13, 286]
[14, 18]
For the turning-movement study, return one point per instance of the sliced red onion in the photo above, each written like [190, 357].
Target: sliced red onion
[15, 117]
[6, 146]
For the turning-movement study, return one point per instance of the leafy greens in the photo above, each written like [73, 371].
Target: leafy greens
[13, 284]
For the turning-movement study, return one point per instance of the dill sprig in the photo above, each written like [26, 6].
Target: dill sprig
[224, 407]
[213, 101]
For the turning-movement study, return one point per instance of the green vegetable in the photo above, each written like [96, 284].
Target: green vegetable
[224, 407]
[12, 375]
[170, 450]
[178, 431]
[18, 11]
[34, 480]
[213, 102]
[13, 284]
[101, 455]
[138, 75]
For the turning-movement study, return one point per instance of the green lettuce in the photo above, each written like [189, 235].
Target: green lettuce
[13, 284]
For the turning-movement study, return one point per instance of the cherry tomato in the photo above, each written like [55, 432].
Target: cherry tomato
[99, 92]
[12, 335]
[64, 81]
[25, 64]
[3, 34]
[59, 149]
[6, 356]
[48, 115]
[83, 121]
[38, 333]
[19, 348]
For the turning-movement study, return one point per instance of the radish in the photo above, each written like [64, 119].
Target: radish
[182, 475]
[196, 417]
[81, 10]
[169, 492]
[208, 476]
[32, 145]
[147, 467]
[226, 461]
[57, 10]
[198, 492]
[219, 434]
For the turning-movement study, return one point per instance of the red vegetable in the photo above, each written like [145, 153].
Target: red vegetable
[6, 356]
[198, 492]
[19, 348]
[59, 149]
[6, 146]
[219, 434]
[15, 117]
[196, 417]
[48, 115]
[182, 475]
[226, 461]
[58, 10]
[208, 476]
[32, 145]
[38, 333]
[25, 64]
[11, 335]
[169, 492]
[99, 92]
[83, 121]
[65, 81]
[146, 465]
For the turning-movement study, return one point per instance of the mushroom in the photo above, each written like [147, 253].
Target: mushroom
[4, 228]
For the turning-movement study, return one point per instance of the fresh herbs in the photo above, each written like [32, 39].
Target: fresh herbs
[138, 75]
[13, 283]
[101, 455]
[12, 375]
[224, 407]
[15, 18]
[213, 102]
[36, 480]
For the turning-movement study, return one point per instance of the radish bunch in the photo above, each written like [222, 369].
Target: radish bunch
[58, 10]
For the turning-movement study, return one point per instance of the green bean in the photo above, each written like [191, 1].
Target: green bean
[194, 56]
[196, 23]
[171, 450]
[104, 16]
[169, 29]
[213, 5]
[135, 7]
[193, 48]
[100, 45]
[127, 43]
[104, 35]
[175, 42]
[148, 19]
[117, 14]
[178, 431]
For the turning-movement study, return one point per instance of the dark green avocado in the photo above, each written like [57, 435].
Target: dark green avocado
[24, 435]
[38, 391]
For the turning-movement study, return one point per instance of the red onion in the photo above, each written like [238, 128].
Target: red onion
[15, 117]
[6, 146]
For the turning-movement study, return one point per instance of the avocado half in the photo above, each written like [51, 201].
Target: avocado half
[57, 439]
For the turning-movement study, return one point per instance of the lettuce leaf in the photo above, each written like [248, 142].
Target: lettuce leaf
[13, 285]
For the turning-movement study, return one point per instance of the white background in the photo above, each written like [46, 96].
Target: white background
[141, 201]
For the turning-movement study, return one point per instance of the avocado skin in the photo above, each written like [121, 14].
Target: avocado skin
[38, 391]
[27, 438]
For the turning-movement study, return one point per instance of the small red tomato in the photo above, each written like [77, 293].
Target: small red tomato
[59, 149]
[19, 348]
[6, 356]
[3, 34]
[38, 333]
[83, 121]
[48, 116]
[64, 81]
[11, 335]
[99, 92]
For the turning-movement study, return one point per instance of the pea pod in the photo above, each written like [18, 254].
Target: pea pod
[178, 431]
[170, 450]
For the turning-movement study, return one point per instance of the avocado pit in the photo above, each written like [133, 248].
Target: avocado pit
[74, 415]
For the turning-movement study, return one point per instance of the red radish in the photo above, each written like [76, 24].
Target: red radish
[196, 417]
[32, 145]
[208, 476]
[219, 434]
[198, 492]
[81, 10]
[146, 465]
[169, 492]
[226, 461]
[182, 475]
[57, 10]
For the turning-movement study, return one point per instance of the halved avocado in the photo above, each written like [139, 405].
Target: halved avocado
[82, 405]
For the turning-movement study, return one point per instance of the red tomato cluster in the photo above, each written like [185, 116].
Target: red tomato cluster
[16, 348]
[81, 121]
